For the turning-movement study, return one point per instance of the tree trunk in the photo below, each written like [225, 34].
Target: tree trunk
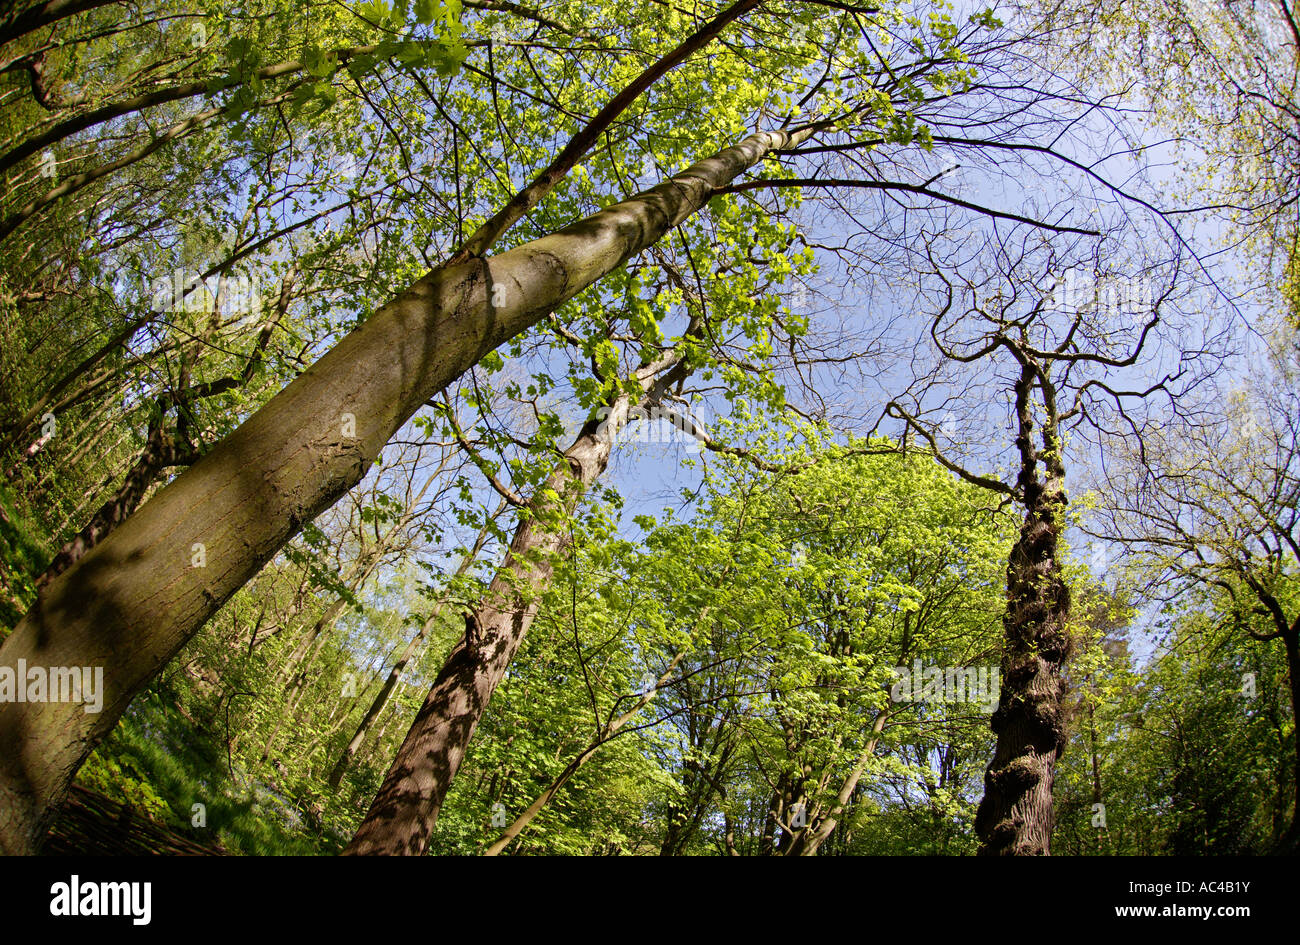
[1015, 816]
[403, 814]
[138, 597]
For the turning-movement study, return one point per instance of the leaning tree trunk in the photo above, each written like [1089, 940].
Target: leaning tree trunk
[402, 816]
[140, 594]
[1015, 816]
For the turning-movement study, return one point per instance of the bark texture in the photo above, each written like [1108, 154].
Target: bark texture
[1015, 817]
[401, 818]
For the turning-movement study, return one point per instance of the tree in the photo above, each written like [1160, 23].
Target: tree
[1058, 346]
[260, 260]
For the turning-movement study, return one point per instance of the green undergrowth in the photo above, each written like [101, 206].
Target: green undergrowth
[160, 764]
[23, 556]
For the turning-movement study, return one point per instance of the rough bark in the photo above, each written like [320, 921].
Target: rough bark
[136, 599]
[402, 816]
[1015, 816]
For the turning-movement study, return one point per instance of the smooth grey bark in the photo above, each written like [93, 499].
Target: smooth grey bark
[132, 602]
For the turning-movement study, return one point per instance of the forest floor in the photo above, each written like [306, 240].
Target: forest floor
[90, 824]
